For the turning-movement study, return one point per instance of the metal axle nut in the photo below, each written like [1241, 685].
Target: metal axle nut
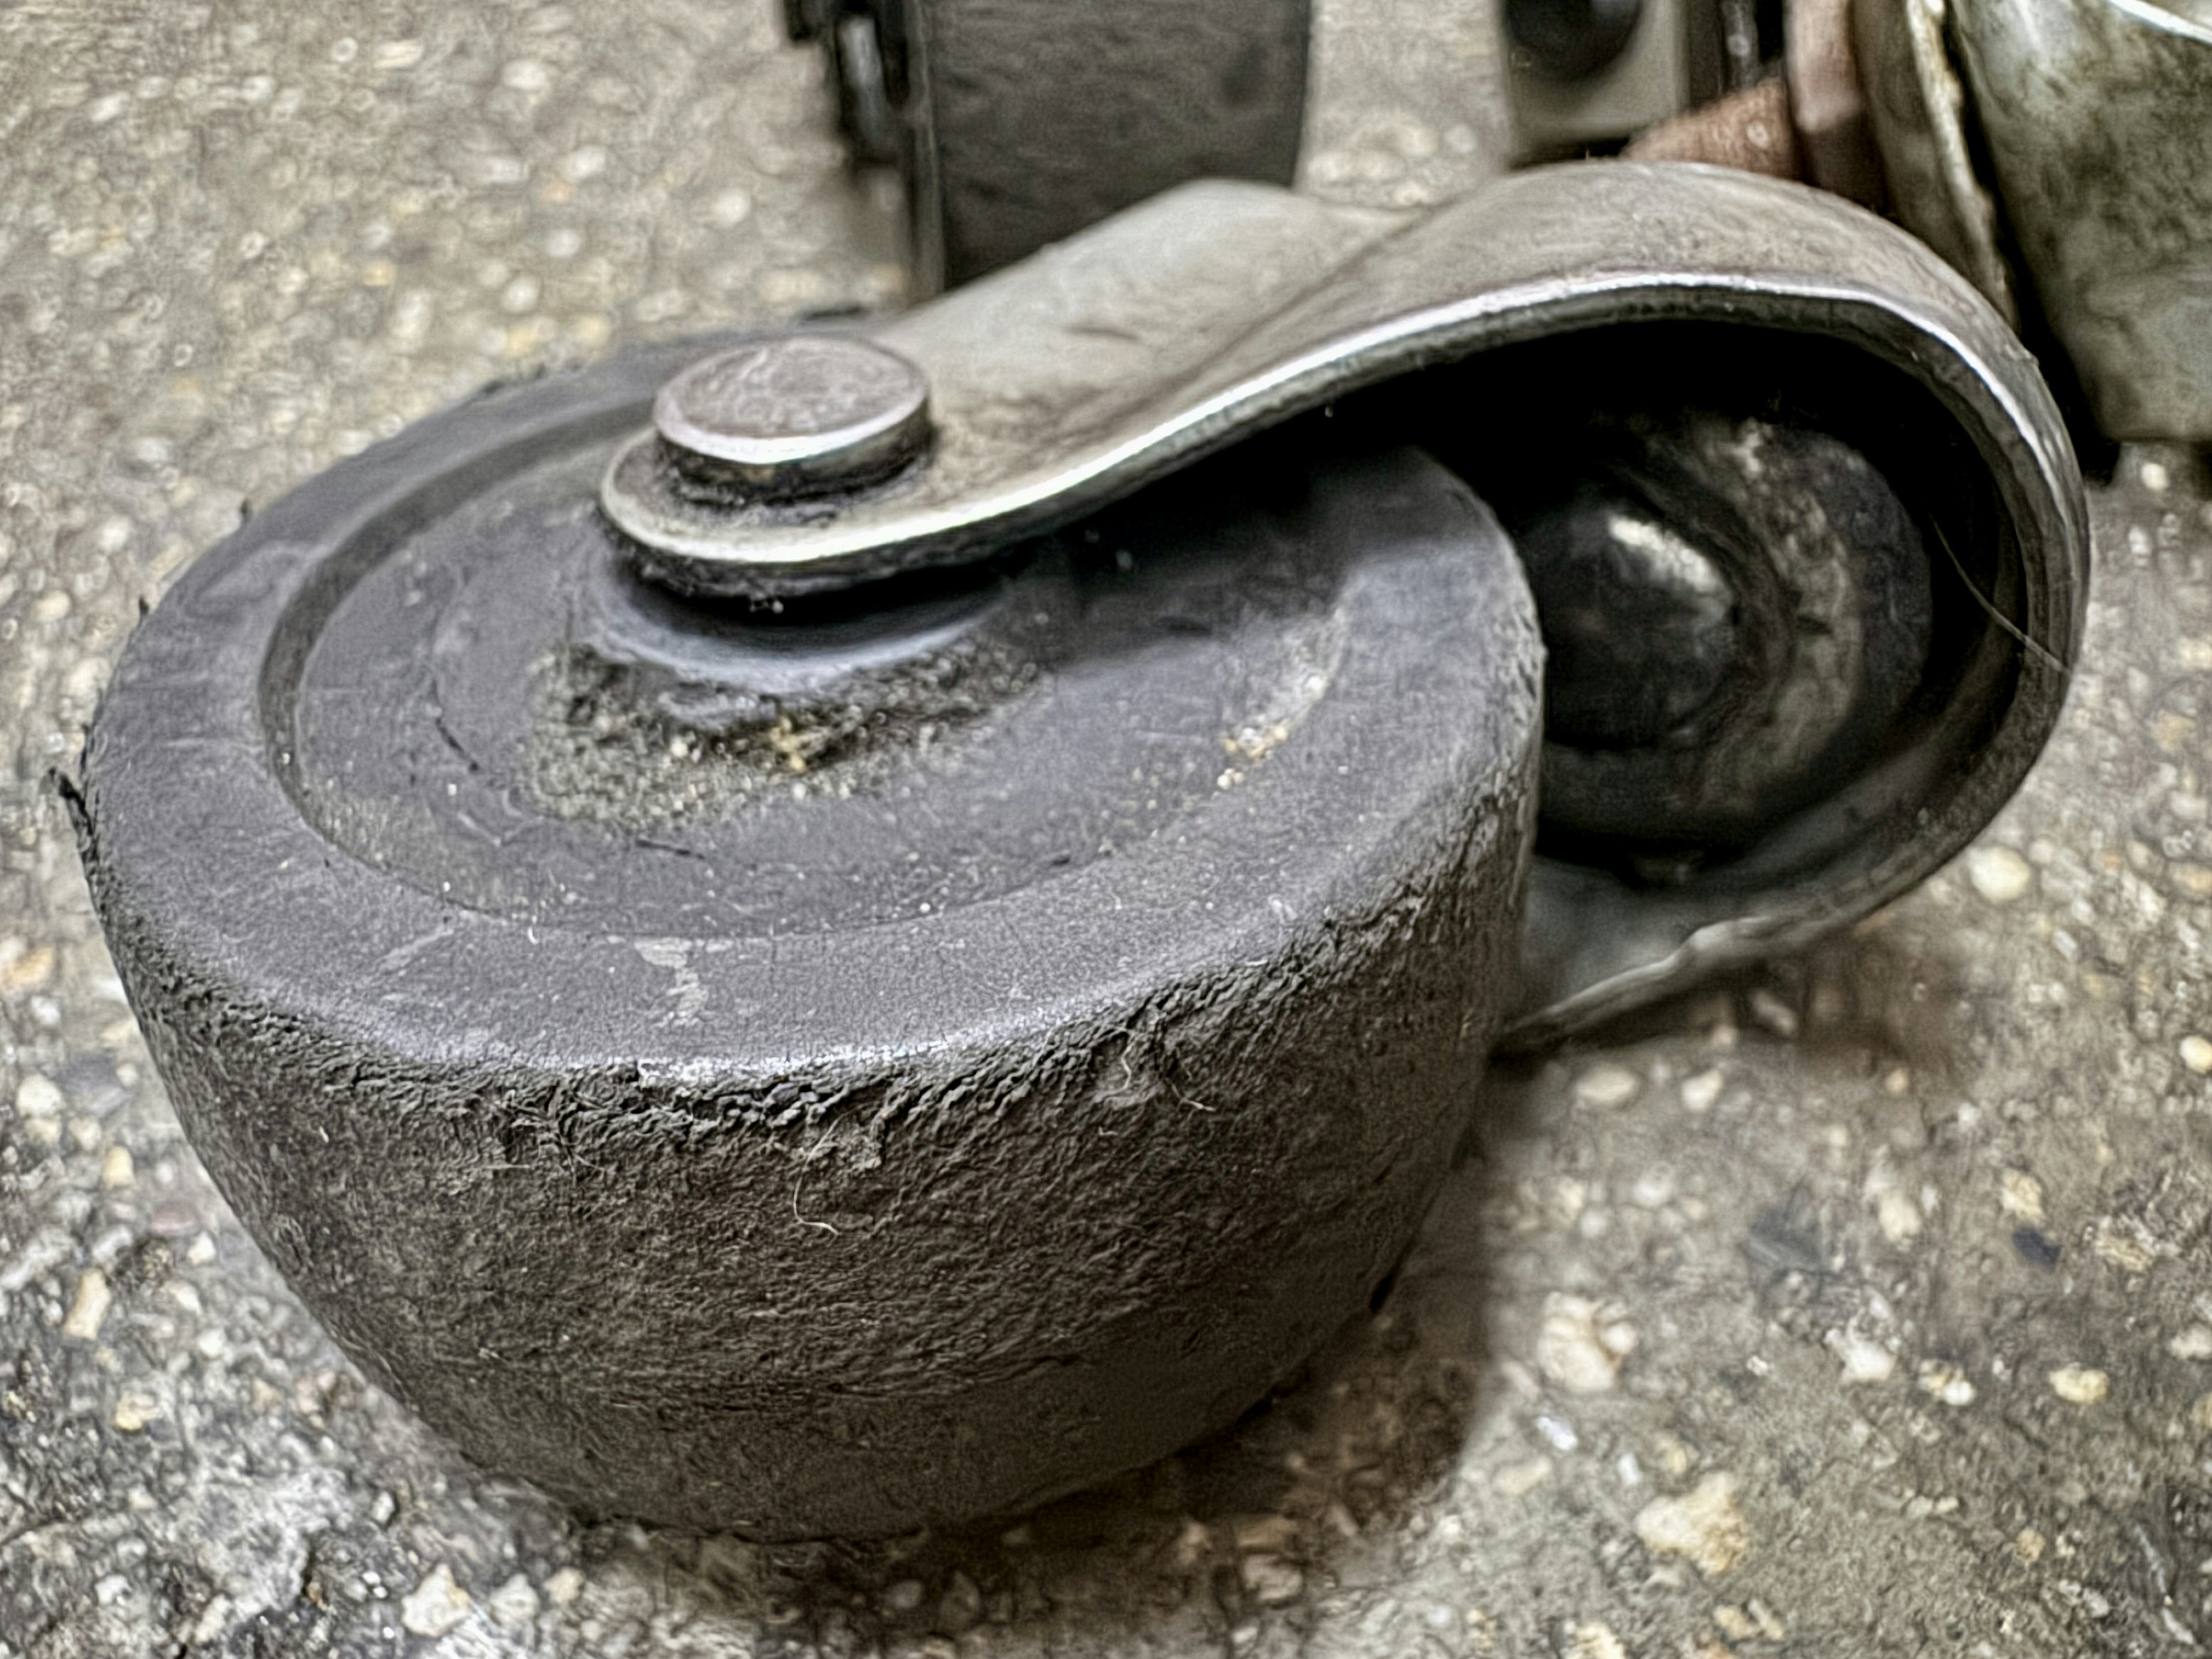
[788, 416]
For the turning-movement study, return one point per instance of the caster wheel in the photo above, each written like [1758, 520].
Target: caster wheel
[835, 1067]
[1017, 124]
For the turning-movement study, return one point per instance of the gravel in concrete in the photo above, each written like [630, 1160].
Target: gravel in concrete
[1864, 1307]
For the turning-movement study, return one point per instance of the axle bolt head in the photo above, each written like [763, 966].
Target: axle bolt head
[788, 416]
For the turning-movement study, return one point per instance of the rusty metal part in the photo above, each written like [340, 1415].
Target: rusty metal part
[2098, 120]
[1827, 101]
[1749, 130]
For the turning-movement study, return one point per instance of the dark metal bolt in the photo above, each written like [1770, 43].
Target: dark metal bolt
[795, 415]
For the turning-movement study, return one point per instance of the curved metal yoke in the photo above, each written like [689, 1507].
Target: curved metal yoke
[1220, 308]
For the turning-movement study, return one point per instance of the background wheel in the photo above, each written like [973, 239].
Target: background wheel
[1017, 124]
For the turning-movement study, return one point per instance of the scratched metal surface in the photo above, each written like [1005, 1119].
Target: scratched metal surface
[1865, 1308]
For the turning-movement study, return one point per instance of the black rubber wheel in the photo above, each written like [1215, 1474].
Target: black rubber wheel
[1015, 123]
[833, 1071]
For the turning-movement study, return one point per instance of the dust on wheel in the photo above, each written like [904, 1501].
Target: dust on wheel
[824, 1071]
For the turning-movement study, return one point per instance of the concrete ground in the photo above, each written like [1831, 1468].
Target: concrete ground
[1863, 1308]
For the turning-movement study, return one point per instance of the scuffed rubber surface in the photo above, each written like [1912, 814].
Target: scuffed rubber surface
[1045, 119]
[846, 1231]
